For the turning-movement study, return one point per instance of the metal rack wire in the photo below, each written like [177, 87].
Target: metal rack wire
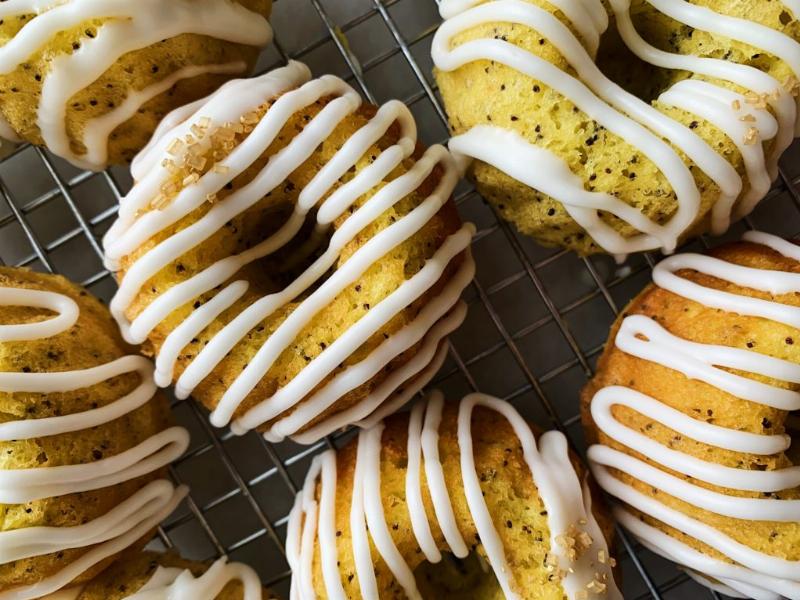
[537, 321]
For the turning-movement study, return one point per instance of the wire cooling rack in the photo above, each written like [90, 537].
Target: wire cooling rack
[537, 321]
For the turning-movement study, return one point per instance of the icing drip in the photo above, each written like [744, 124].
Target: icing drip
[302, 395]
[566, 500]
[179, 584]
[127, 522]
[635, 121]
[753, 574]
[128, 28]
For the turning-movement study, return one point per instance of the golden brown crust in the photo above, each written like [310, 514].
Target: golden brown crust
[510, 494]
[267, 275]
[695, 322]
[21, 89]
[94, 340]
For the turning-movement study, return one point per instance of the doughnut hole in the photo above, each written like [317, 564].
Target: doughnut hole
[458, 578]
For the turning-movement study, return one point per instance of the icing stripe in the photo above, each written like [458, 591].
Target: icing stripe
[416, 505]
[774, 282]
[378, 528]
[19, 486]
[704, 362]
[358, 334]
[561, 492]
[403, 396]
[716, 105]
[434, 476]
[743, 30]
[734, 575]
[749, 78]
[752, 559]
[742, 508]
[436, 320]
[66, 309]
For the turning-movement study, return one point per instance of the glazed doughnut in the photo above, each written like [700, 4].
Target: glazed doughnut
[91, 79]
[290, 256]
[84, 438]
[620, 126]
[154, 576]
[462, 478]
[693, 412]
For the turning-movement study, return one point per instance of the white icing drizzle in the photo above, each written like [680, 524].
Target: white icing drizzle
[565, 498]
[129, 27]
[302, 395]
[127, 522]
[638, 123]
[180, 584]
[753, 574]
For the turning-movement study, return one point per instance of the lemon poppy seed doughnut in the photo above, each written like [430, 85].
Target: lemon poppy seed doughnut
[692, 416]
[156, 576]
[468, 479]
[290, 256]
[91, 80]
[620, 126]
[84, 438]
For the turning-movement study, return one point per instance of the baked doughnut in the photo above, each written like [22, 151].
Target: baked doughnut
[291, 257]
[155, 576]
[625, 128]
[84, 438]
[449, 478]
[693, 412]
[91, 79]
